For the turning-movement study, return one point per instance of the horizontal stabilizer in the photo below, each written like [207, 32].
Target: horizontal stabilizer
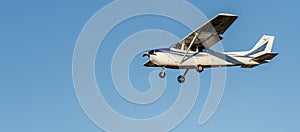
[264, 57]
[248, 66]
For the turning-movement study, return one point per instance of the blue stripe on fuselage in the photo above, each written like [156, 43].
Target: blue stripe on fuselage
[168, 50]
[258, 50]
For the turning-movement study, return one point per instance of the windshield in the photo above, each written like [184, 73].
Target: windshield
[185, 47]
[177, 46]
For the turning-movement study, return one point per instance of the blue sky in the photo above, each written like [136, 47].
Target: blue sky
[37, 42]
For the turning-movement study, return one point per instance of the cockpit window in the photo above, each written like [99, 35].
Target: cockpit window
[177, 46]
[185, 47]
[194, 48]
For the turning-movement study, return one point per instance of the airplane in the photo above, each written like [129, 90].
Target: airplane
[193, 51]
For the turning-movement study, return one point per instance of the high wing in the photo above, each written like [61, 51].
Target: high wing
[209, 33]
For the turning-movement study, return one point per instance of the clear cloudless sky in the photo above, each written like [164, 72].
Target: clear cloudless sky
[37, 38]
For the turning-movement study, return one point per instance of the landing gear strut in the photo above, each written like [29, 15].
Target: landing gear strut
[181, 78]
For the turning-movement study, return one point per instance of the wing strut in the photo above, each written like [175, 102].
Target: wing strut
[196, 34]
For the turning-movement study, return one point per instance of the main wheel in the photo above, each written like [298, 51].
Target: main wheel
[199, 68]
[162, 74]
[181, 79]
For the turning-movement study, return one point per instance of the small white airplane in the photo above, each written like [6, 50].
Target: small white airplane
[193, 51]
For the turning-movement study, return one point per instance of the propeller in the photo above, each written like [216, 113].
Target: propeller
[151, 52]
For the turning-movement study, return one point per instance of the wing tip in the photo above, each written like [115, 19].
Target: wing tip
[268, 35]
[228, 14]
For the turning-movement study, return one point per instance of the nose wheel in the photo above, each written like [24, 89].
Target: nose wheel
[162, 74]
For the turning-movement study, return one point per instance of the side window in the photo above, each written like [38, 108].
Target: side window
[194, 48]
[185, 47]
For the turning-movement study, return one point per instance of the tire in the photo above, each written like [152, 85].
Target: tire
[181, 79]
[199, 68]
[162, 74]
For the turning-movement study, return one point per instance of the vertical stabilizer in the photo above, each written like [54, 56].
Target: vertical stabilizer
[263, 46]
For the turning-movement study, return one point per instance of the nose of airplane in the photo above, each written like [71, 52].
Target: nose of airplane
[146, 54]
[151, 52]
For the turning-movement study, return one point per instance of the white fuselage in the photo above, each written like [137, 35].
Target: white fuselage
[172, 58]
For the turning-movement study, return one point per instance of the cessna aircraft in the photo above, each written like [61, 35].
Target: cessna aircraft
[193, 51]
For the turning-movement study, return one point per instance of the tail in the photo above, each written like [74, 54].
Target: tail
[262, 51]
[263, 46]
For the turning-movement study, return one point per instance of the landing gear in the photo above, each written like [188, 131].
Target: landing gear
[162, 74]
[181, 78]
[199, 68]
